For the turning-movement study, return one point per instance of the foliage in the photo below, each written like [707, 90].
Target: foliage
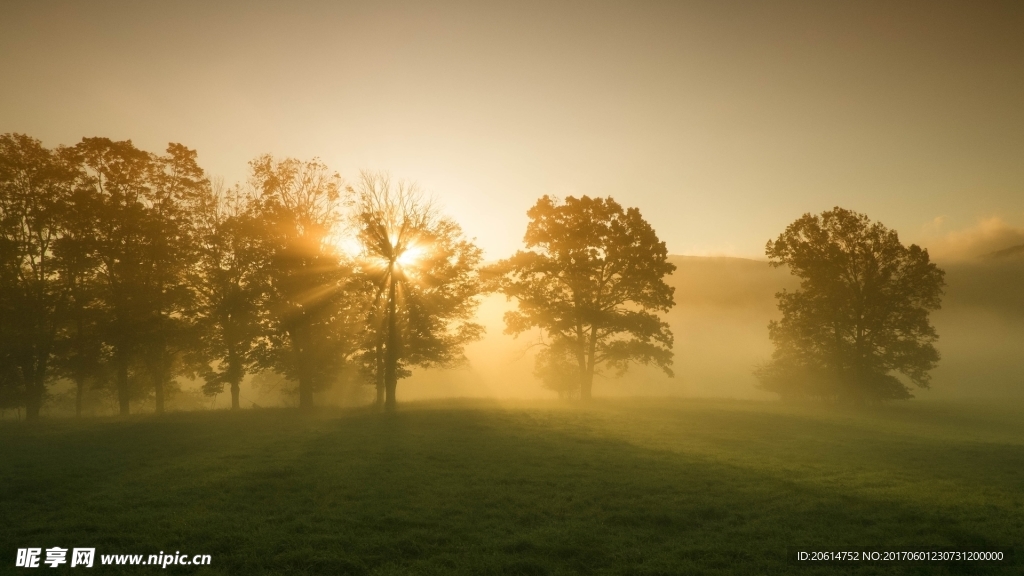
[231, 289]
[860, 316]
[179, 188]
[35, 185]
[80, 353]
[312, 326]
[129, 270]
[556, 367]
[592, 281]
[424, 281]
[145, 242]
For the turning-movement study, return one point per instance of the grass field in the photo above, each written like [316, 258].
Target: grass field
[623, 487]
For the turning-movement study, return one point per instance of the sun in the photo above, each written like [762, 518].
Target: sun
[411, 256]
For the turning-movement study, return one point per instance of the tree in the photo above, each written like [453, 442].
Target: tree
[35, 184]
[312, 327]
[860, 316]
[423, 274]
[231, 288]
[80, 352]
[177, 190]
[592, 280]
[128, 249]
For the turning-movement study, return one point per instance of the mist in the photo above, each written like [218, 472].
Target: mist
[720, 323]
[720, 320]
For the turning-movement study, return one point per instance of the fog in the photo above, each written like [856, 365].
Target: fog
[720, 320]
[723, 306]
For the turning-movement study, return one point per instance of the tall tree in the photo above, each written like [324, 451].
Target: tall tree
[80, 350]
[34, 186]
[121, 176]
[178, 189]
[231, 286]
[860, 316]
[424, 277]
[311, 329]
[592, 280]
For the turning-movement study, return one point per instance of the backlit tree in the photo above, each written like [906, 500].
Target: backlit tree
[860, 318]
[422, 274]
[592, 280]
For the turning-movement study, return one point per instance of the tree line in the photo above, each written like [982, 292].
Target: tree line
[128, 271]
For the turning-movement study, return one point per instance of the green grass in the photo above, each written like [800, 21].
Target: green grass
[618, 487]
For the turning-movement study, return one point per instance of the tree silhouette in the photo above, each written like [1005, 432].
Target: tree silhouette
[178, 187]
[423, 275]
[35, 184]
[592, 281]
[312, 326]
[231, 287]
[142, 247]
[80, 352]
[859, 316]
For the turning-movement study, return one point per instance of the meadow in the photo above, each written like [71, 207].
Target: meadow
[624, 486]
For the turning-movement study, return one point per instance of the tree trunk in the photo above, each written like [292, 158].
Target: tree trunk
[587, 385]
[35, 388]
[235, 375]
[389, 399]
[159, 386]
[300, 344]
[581, 361]
[379, 374]
[122, 386]
[79, 392]
[305, 393]
[33, 400]
[391, 350]
[79, 370]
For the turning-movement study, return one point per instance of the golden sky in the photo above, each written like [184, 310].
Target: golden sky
[722, 121]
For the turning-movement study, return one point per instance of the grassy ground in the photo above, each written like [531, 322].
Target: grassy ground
[624, 487]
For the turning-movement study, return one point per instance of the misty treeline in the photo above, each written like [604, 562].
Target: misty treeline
[128, 272]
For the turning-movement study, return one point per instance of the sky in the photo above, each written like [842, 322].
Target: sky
[721, 121]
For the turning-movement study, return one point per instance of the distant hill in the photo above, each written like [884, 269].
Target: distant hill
[1011, 252]
[994, 284]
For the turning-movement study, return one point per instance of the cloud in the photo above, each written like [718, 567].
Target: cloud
[987, 236]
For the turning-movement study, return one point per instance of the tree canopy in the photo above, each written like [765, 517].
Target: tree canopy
[312, 326]
[35, 188]
[423, 274]
[592, 280]
[125, 271]
[860, 318]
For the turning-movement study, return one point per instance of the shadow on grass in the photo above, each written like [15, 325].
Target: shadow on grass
[493, 490]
